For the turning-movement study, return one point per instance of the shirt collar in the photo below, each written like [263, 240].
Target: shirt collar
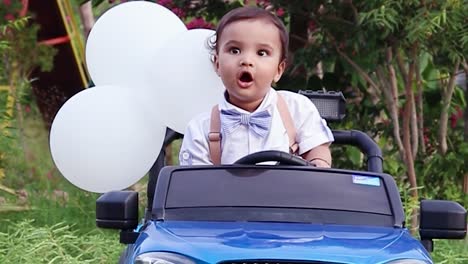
[269, 100]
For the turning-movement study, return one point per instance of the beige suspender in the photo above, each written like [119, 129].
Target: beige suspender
[288, 124]
[214, 136]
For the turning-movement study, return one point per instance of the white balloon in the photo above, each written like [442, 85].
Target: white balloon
[101, 141]
[186, 80]
[125, 38]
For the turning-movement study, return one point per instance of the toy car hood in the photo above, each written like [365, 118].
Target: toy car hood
[213, 242]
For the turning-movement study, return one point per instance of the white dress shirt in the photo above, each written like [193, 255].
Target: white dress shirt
[311, 131]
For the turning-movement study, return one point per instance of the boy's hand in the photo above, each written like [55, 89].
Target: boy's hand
[319, 156]
[319, 163]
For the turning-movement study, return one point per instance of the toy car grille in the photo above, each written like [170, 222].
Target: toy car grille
[274, 262]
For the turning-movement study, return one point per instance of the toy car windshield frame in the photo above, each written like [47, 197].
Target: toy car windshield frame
[277, 194]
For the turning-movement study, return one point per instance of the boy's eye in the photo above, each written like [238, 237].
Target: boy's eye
[234, 50]
[262, 53]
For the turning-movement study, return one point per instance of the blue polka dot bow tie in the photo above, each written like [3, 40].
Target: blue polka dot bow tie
[258, 122]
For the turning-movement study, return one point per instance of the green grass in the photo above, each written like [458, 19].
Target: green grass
[56, 243]
[450, 251]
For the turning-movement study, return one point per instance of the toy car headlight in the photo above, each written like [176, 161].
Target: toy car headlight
[408, 261]
[162, 258]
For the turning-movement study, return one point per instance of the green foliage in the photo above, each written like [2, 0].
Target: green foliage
[27, 54]
[20, 54]
[19, 48]
[409, 202]
[450, 252]
[8, 150]
[16, 25]
[442, 174]
[59, 243]
[7, 28]
[382, 18]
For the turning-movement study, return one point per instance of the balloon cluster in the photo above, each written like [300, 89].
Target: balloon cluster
[150, 73]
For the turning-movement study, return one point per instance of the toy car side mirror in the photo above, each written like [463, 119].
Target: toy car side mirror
[441, 219]
[119, 210]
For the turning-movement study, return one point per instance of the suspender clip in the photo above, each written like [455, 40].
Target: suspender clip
[214, 136]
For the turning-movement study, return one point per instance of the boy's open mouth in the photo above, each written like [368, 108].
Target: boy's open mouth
[245, 79]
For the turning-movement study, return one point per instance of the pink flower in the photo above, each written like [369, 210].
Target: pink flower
[199, 23]
[166, 3]
[312, 25]
[9, 17]
[7, 2]
[280, 12]
[455, 117]
[178, 11]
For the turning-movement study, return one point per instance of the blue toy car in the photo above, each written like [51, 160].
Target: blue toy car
[287, 213]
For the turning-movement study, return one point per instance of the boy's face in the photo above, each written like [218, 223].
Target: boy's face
[248, 61]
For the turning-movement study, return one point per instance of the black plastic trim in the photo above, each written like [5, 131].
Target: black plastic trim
[365, 144]
[159, 211]
[283, 215]
[272, 155]
[116, 224]
[117, 210]
[442, 233]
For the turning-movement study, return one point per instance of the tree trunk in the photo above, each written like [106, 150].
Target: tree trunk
[447, 93]
[419, 112]
[407, 117]
[392, 106]
[414, 117]
[394, 109]
[414, 128]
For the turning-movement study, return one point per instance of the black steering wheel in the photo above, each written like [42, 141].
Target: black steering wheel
[272, 155]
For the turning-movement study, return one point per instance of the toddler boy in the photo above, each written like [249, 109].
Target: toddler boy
[250, 53]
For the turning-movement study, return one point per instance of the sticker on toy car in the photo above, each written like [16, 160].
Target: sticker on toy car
[366, 180]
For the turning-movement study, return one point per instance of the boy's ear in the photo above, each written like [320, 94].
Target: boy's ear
[281, 68]
[216, 64]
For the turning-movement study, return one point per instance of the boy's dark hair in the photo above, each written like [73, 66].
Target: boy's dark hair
[249, 12]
